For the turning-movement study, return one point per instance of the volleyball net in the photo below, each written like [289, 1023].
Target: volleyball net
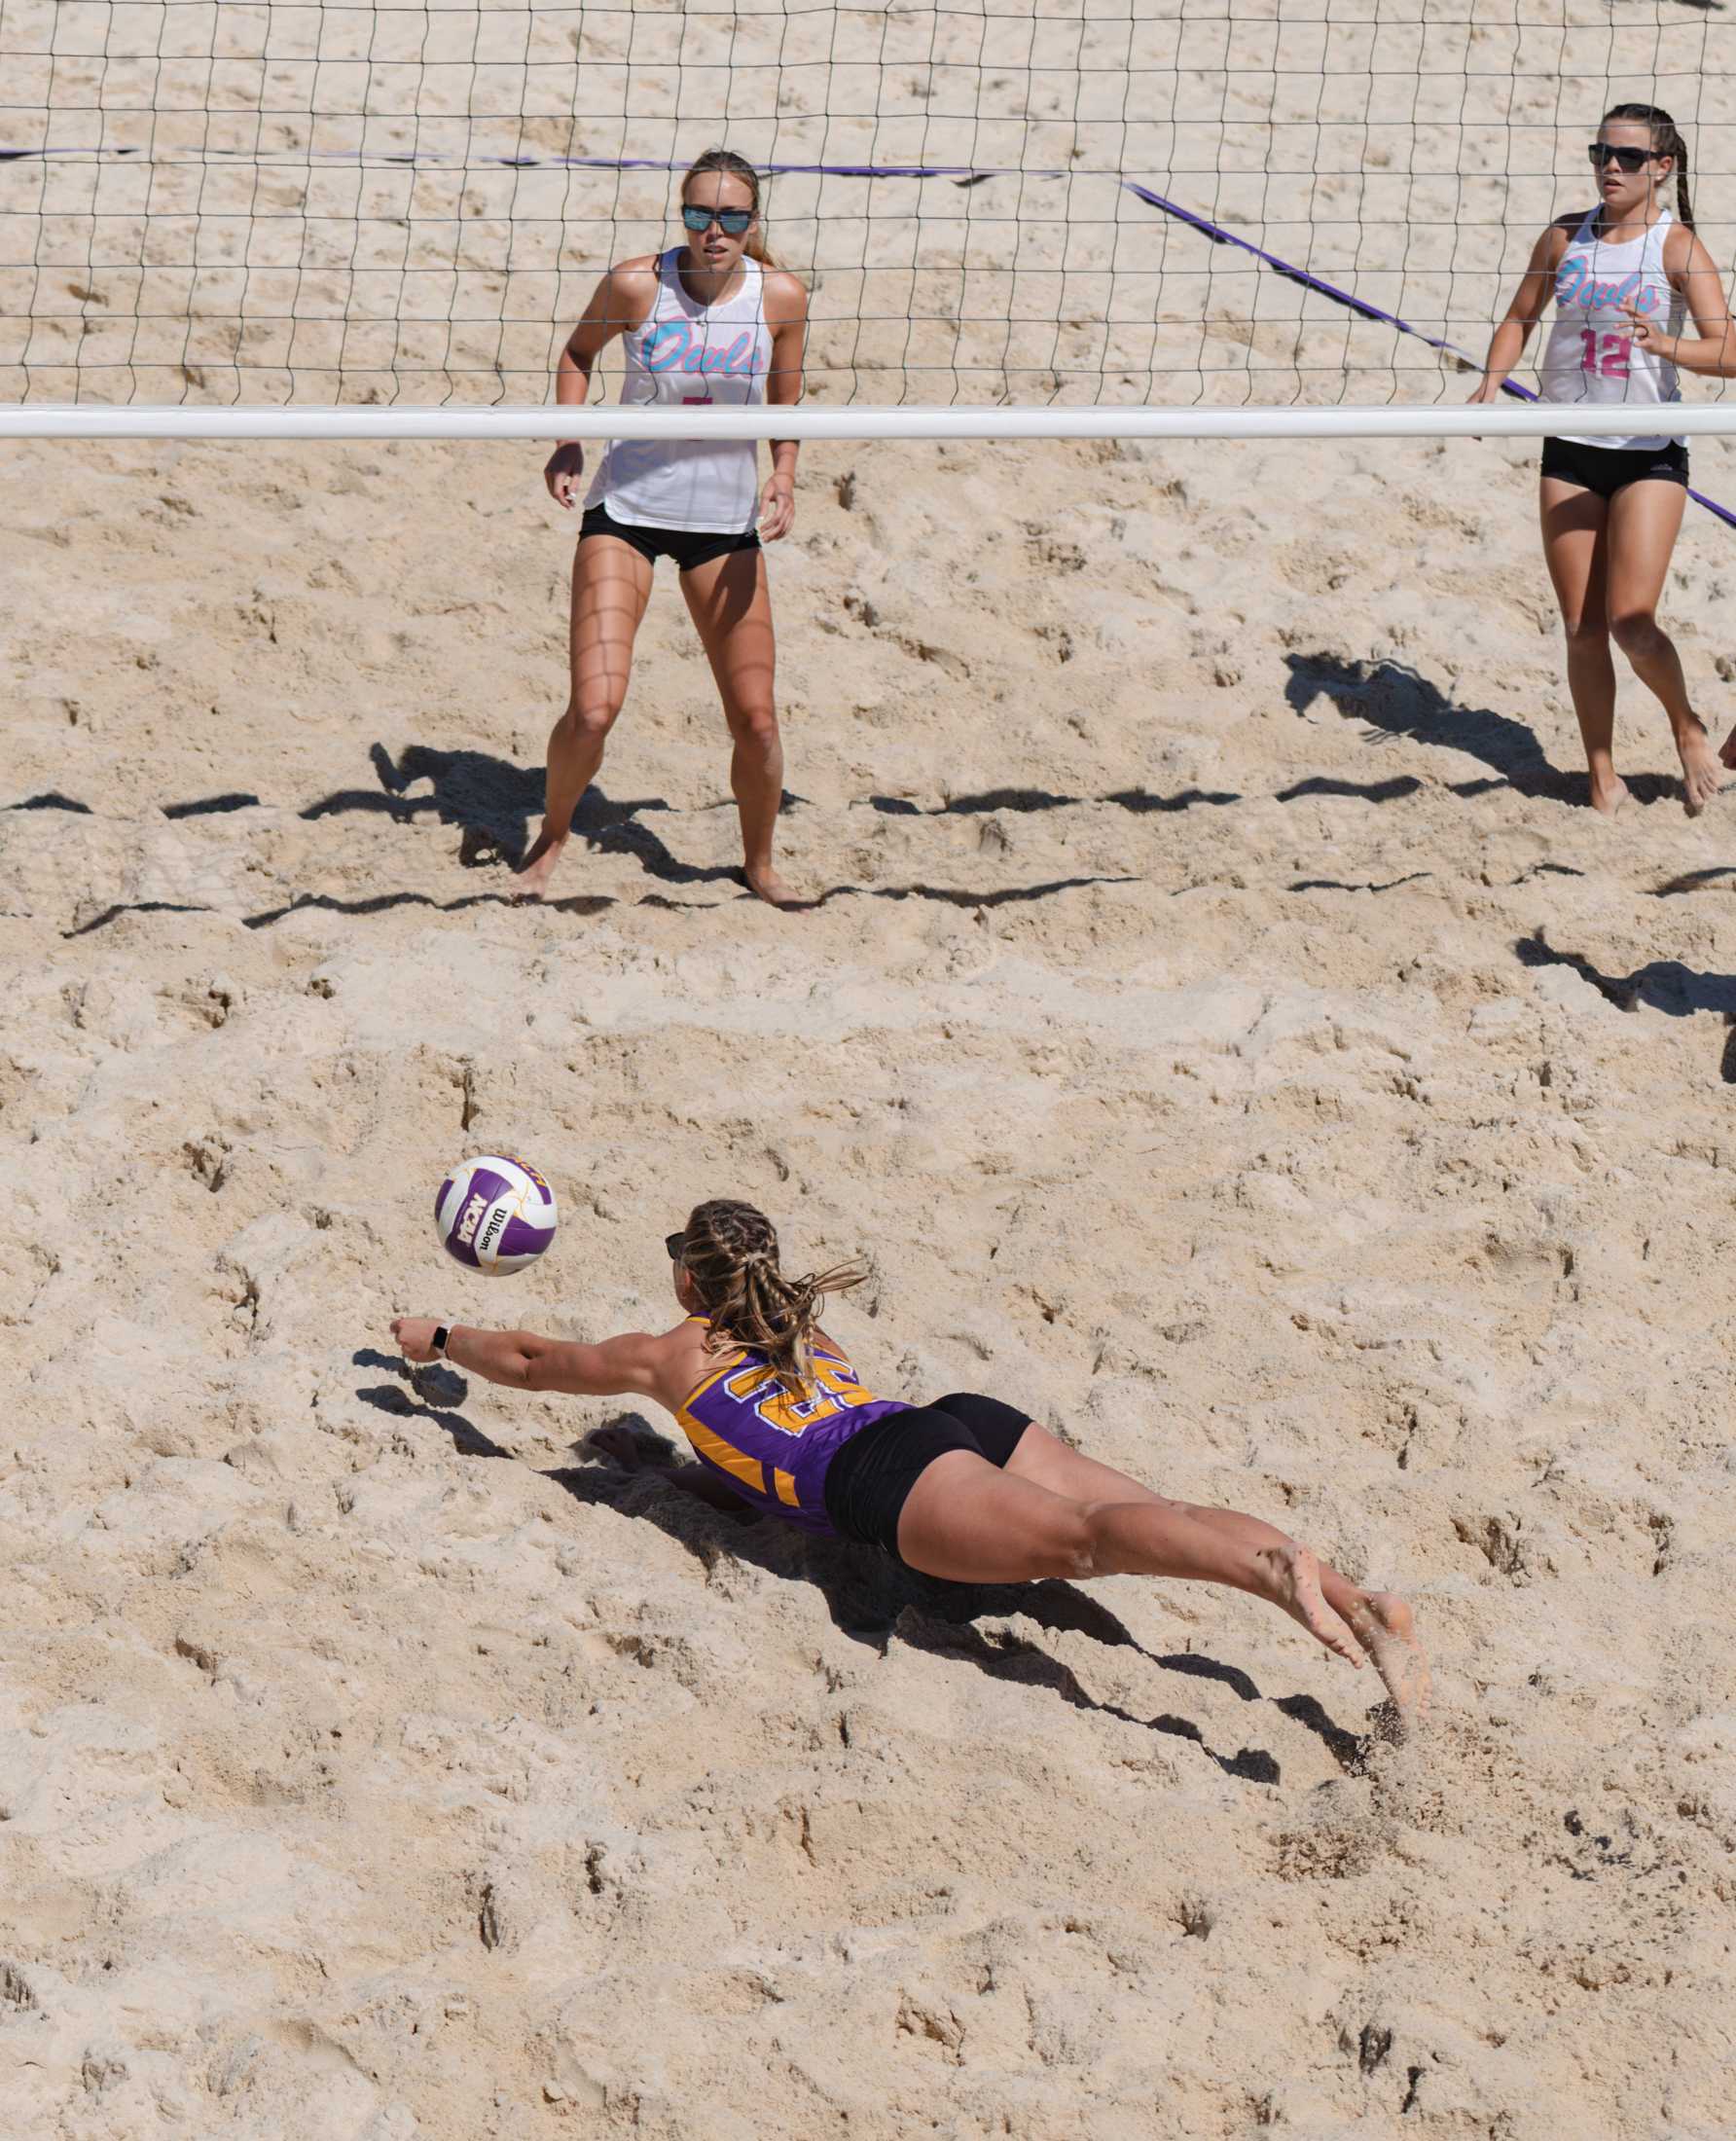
[1060, 209]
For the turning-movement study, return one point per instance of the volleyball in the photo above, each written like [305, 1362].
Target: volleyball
[495, 1214]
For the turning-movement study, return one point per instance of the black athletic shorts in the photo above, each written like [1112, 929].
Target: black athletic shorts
[688, 546]
[1607, 469]
[869, 1480]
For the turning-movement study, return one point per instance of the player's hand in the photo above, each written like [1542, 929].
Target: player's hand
[1648, 335]
[567, 464]
[777, 507]
[1727, 751]
[416, 1336]
[1487, 390]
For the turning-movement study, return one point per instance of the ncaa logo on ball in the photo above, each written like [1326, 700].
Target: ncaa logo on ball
[495, 1213]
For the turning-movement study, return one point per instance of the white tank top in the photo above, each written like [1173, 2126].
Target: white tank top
[1591, 355]
[688, 352]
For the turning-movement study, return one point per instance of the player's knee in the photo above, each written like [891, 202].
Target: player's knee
[755, 723]
[1638, 633]
[1585, 631]
[589, 720]
[1073, 1541]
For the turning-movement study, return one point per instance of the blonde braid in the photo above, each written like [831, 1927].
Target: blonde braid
[730, 1250]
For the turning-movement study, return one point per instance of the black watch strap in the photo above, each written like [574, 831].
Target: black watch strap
[442, 1334]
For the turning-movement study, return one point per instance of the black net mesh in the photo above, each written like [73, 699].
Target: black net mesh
[1174, 200]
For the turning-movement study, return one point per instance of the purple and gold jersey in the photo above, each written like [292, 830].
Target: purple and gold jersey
[769, 1446]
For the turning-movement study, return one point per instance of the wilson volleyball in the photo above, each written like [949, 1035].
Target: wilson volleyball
[495, 1214]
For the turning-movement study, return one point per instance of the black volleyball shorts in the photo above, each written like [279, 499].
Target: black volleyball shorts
[1607, 469]
[687, 546]
[869, 1480]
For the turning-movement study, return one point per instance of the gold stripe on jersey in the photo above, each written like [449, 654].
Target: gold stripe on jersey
[710, 1382]
[786, 1488]
[724, 1455]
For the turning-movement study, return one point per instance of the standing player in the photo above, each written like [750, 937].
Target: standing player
[1612, 507]
[710, 321]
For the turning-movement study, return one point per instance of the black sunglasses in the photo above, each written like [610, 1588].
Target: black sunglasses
[674, 1244]
[732, 222]
[1602, 152]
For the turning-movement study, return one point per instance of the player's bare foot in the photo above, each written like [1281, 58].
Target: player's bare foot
[1727, 751]
[1292, 1580]
[765, 883]
[1385, 1629]
[1702, 775]
[530, 880]
[1609, 796]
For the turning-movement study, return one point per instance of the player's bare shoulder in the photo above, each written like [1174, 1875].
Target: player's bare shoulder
[632, 285]
[1684, 254]
[1562, 232]
[785, 297]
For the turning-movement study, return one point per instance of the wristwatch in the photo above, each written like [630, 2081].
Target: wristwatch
[442, 1332]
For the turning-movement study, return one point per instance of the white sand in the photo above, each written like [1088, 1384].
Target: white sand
[376, 1764]
[1223, 1028]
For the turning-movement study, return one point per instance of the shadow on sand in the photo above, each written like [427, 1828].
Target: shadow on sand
[1663, 984]
[1396, 701]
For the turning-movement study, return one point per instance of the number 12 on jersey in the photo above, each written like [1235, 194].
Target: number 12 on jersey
[1604, 354]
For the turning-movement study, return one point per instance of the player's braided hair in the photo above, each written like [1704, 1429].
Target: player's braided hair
[1666, 140]
[730, 1252]
[731, 165]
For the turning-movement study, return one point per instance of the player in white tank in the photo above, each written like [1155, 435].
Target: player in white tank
[707, 322]
[1621, 276]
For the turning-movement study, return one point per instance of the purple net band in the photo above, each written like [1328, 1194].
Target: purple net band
[1221, 237]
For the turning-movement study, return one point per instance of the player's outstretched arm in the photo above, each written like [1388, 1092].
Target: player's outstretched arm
[619, 1367]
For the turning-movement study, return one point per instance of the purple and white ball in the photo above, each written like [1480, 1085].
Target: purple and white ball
[495, 1214]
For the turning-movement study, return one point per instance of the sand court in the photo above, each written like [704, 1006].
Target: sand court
[1217, 1017]
[1243, 1050]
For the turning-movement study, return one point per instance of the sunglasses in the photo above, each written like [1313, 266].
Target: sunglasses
[674, 1244]
[1603, 153]
[732, 222]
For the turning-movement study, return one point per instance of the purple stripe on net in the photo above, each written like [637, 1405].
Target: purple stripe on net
[1221, 237]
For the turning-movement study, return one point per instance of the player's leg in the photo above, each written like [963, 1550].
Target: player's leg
[970, 1522]
[1645, 519]
[611, 584]
[731, 604]
[1573, 549]
[1381, 1619]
